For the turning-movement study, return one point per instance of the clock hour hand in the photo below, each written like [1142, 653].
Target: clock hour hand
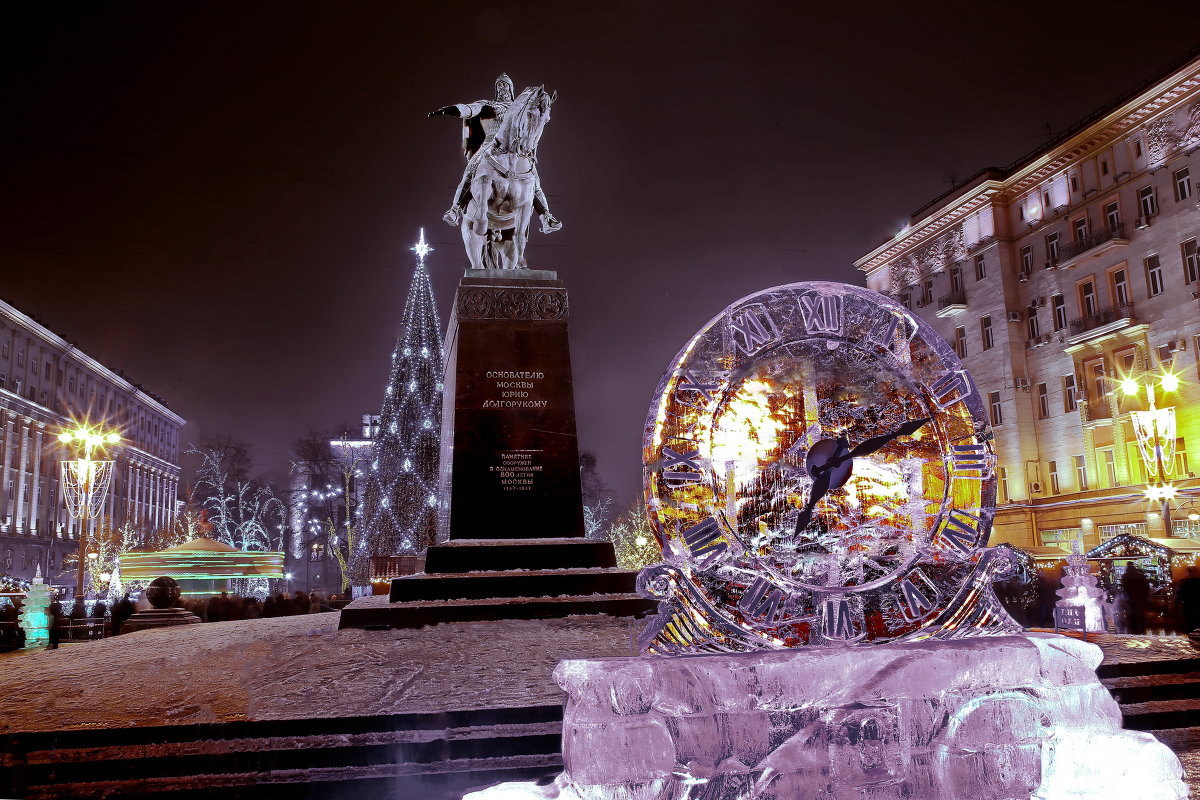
[822, 475]
[869, 446]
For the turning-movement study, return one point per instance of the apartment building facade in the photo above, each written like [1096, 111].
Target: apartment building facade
[45, 384]
[1057, 278]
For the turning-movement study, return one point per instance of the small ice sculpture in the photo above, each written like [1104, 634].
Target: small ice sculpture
[1080, 588]
[35, 620]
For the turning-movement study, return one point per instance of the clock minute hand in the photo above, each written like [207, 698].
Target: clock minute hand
[869, 446]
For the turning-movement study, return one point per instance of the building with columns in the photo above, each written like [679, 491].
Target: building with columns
[45, 383]
[1057, 278]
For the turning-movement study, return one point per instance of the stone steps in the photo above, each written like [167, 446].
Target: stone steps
[512, 583]
[1155, 694]
[405, 755]
[369, 613]
[476, 555]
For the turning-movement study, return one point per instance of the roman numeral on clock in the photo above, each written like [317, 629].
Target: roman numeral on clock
[822, 313]
[838, 620]
[958, 533]
[917, 595]
[969, 462]
[950, 388]
[759, 602]
[752, 329]
[702, 539]
[689, 383]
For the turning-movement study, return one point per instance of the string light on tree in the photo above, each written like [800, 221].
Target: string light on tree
[398, 512]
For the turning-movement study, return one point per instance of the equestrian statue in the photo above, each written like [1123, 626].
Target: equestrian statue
[500, 189]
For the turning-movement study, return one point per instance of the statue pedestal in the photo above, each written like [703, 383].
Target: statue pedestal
[510, 457]
[511, 515]
[996, 717]
[158, 618]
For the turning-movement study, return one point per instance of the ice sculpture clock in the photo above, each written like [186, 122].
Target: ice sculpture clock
[819, 469]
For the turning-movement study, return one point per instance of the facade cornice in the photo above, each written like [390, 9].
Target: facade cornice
[1167, 94]
[934, 224]
[24, 321]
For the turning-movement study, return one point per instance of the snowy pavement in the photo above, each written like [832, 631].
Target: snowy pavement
[296, 667]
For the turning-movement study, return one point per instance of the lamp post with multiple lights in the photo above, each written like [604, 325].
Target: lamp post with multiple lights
[1155, 424]
[85, 480]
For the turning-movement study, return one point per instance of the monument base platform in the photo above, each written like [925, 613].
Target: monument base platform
[475, 580]
[158, 618]
[1001, 717]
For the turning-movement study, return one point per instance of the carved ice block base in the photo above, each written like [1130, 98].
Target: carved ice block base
[997, 717]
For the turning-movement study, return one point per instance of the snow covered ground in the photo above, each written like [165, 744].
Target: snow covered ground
[297, 667]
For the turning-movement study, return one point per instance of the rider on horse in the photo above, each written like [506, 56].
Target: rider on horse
[481, 120]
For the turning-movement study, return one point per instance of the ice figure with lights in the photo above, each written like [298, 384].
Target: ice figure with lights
[35, 617]
[820, 473]
[1081, 588]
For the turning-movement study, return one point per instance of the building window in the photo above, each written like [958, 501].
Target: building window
[927, 292]
[1183, 184]
[1003, 479]
[1137, 148]
[1147, 203]
[985, 330]
[47, 375]
[1110, 466]
[960, 341]
[1052, 469]
[1181, 464]
[1103, 167]
[1081, 473]
[994, 406]
[1052, 247]
[4, 350]
[956, 282]
[906, 300]
[1120, 290]
[1081, 229]
[1070, 401]
[980, 267]
[1032, 323]
[1087, 297]
[20, 358]
[1074, 183]
[1154, 278]
[1027, 259]
[3, 380]
[71, 385]
[1191, 261]
[1098, 379]
[1112, 215]
[1058, 305]
[1043, 398]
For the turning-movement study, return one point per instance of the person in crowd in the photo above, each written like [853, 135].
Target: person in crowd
[99, 610]
[1136, 587]
[251, 608]
[55, 612]
[1187, 598]
[269, 607]
[122, 611]
[78, 609]
[302, 602]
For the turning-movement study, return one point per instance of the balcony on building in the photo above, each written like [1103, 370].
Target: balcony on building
[951, 304]
[1094, 244]
[1104, 321]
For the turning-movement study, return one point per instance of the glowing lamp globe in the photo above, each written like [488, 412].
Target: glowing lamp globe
[1169, 382]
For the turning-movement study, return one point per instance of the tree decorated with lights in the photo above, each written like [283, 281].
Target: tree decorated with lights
[400, 506]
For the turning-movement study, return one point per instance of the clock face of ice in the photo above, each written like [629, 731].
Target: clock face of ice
[820, 465]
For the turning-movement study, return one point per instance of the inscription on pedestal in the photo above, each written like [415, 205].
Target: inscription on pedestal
[510, 456]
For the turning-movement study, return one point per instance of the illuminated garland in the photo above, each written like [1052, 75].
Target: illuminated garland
[400, 503]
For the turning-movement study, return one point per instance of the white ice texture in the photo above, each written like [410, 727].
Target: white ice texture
[996, 717]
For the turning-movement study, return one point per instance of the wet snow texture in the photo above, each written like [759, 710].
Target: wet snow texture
[296, 667]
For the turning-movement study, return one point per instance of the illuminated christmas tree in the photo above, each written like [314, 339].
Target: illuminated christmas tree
[400, 503]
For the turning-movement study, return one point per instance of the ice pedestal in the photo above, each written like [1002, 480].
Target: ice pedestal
[996, 717]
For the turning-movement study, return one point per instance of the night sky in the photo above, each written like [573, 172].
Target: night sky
[219, 198]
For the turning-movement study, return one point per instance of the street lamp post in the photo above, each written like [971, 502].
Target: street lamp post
[1151, 426]
[85, 482]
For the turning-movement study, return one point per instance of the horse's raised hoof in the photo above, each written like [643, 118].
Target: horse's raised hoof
[453, 217]
[550, 224]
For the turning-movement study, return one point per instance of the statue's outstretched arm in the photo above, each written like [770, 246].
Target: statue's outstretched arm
[444, 111]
